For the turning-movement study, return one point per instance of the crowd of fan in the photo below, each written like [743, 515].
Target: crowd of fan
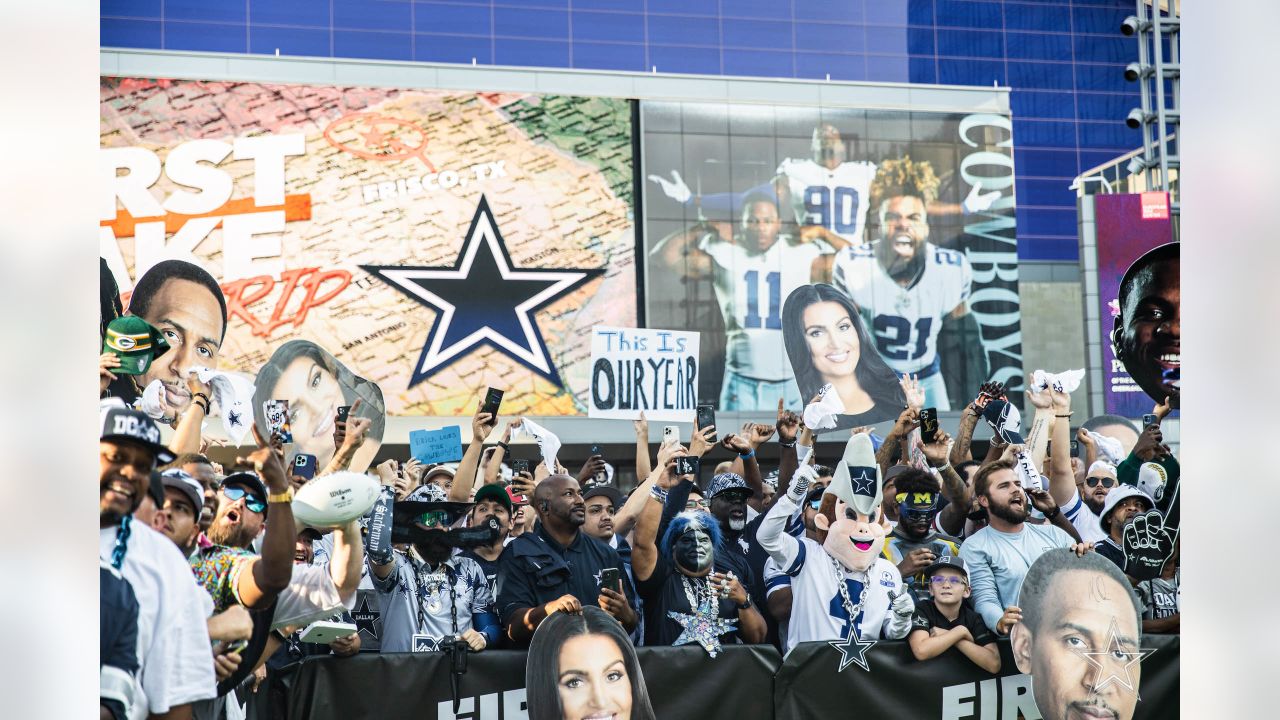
[206, 578]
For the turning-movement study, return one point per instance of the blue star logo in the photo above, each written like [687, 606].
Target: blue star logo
[863, 479]
[483, 300]
[233, 417]
[853, 650]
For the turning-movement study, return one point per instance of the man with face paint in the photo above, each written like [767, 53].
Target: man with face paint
[914, 544]
[840, 585]
[429, 595]
[686, 574]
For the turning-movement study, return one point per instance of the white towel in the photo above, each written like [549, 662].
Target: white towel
[821, 413]
[1108, 447]
[233, 394]
[1067, 381]
[547, 441]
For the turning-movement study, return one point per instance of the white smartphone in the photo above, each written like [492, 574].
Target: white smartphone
[671, 435]
[323, 632]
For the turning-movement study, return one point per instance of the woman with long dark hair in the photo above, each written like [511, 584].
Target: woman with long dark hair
[827, 344]
[316, 385]
[583, 665]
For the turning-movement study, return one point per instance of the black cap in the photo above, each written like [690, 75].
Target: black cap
[249, 479]
[123, 423]
[951, 561]
[608, 491]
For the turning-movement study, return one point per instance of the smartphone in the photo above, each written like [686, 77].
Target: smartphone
[304, 465]
[1149, 419]
[276, 413]
[611, 578]
[688, 465]
[706, 416]
[670, 435]
[595, 450]
[1075, 448]
[492, 401]
[929, 425]
[519, 466]
[343, 411]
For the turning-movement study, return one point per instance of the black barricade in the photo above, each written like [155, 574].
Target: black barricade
[744, 683]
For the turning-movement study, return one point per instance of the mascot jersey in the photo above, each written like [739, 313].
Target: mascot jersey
[817, 609]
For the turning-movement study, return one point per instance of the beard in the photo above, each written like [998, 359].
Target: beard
[223, 533]
[1010, 514]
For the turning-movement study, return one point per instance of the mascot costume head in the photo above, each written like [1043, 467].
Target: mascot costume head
[850, 517]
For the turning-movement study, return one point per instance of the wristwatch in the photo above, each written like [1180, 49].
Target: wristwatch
[284, 497]
[746, 605]
[1051, 515]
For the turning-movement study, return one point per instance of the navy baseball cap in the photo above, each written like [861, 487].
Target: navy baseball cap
[608, 491]
[248, 479]
[725, 482]
[121, 423]
[951, 561]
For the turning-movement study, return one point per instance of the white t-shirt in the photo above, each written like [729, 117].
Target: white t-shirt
[1088, 524]
[174, 654]
[834, 199]
[750, 290]
[310, 596]
[905, 322]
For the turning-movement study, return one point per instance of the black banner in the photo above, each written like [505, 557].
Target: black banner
[744, 682]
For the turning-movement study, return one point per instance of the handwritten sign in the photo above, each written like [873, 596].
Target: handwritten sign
[436, 446]
[641, 369]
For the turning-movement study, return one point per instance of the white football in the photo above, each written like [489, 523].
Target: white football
[335, 499]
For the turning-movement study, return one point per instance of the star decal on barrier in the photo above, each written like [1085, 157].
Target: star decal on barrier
[864, 483]
[703, 627]
[483, 300]
[1115, 664]
[365, 618]
[853, 650]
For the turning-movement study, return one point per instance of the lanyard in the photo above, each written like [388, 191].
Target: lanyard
[122, 541]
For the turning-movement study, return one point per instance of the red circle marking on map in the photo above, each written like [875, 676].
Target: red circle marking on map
[380, 144]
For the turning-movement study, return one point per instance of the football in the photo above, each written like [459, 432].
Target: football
[335, 499]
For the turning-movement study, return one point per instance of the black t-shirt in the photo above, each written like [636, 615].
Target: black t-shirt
[927, 616]
[664, 591]
[1110, 551]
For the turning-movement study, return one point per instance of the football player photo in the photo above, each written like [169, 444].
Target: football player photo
[1147, 334]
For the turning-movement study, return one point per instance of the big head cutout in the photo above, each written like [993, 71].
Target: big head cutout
[850, 513]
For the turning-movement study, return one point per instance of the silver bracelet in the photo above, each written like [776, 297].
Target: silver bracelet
[658, 494]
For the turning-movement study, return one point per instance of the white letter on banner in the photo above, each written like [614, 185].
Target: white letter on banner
[131, 189]
[243, 240]
[268, 153]
[1016, 699]
[957, 701]
[185, 166]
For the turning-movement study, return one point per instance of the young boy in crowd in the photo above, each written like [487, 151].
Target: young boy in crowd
[944, 624]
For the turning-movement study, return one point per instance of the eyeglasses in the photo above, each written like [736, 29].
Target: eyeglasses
[235, 492]
[816, 504]
[433, 518]
[946, 580]
[695, 504]
[1106, 482]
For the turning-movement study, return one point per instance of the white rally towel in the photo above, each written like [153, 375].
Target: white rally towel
[547, 440]
[233, 394]
[1108, 447]
[821, 413]
[1067, 381]
[1027, 473]
[150, 402]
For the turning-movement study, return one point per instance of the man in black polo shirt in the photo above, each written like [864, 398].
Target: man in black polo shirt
[944, 626]
[557, 567]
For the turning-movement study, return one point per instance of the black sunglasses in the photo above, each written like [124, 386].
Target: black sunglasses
[235, 492]
[1106, 482]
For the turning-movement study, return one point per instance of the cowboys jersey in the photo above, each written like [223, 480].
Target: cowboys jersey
[833, 199]
[817, 607]
[750, 290]
[905, 322]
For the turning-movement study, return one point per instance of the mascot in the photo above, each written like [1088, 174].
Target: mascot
[843, 591]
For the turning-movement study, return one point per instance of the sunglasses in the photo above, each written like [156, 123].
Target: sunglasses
[433, 518]
[946, 580]
[695, 504]
[1106, 482]
[235, 492]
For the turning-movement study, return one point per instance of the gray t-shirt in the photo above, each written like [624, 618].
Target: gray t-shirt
[418, 599]
[1159, 597]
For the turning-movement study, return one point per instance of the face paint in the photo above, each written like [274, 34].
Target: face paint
[853, 539]
[692, 551]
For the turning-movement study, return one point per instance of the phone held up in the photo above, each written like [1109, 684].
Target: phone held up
[688, 465]
[611, 578]
[492, 401]
[304, 465]
[1149, 419]
[706, 417]
[671, 435]
[929, 425]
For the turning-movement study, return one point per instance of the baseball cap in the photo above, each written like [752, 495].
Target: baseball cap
[124, 423]
[724, 482]
[608, 491]
[771, 479]
[449, 469]
[428, 493]
[496, 493]
[1152, 479]
[894, 471]
[248, 479]
[1118, 494]
[182, 481]
[135, 342]
[951, 561]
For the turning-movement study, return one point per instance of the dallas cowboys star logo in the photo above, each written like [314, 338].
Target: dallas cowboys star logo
[853, 649]
[483, 300]
[365, 618]
[703, 627]
[1115, 664]
[863, 479]
[233, 417]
